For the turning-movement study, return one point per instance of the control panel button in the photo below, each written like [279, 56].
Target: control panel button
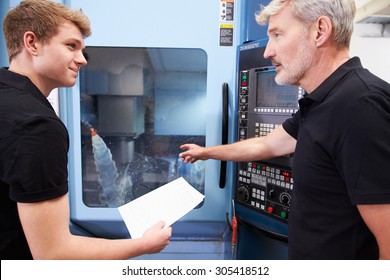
[283, 214]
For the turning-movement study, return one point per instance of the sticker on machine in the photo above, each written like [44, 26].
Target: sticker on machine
[226, 35]
[226, 10]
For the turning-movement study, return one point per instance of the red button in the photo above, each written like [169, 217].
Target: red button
[270, 209]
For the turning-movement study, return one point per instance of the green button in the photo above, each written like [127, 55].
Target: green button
[283, 214]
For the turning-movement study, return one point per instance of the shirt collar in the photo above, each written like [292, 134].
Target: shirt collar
[20, 82]
[321, 92]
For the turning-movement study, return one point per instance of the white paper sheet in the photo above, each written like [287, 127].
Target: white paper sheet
[167, 203]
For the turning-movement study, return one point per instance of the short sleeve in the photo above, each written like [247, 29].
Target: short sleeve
[37, 160]
[365, 153]
[291, 125]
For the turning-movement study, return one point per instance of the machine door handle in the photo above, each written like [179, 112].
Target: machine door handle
[225, 126]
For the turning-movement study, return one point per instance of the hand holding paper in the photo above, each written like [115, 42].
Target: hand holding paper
[167, 203]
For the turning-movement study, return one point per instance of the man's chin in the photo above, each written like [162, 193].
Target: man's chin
[69, 83]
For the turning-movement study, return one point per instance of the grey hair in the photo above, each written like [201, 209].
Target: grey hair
[340, 12]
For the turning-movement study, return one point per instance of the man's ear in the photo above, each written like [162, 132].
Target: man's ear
[30, 41]
[324, 30]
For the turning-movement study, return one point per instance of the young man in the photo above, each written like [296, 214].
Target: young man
[45, 42]
[341, 200]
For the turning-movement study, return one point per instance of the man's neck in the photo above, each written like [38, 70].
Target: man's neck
[324, 66]
[23, 67]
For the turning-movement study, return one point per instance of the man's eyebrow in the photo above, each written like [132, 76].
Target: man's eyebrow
[272, 29]
[76, 40]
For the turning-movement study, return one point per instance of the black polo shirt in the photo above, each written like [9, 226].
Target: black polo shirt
[33, 157]
[342, 159]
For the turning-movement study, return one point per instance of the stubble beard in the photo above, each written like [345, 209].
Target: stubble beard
[292, 73]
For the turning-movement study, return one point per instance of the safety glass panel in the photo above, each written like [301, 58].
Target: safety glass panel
[138, 105]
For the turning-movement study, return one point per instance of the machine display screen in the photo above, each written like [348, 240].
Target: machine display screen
[270, 94]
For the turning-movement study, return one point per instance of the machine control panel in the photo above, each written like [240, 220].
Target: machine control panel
[266, 188]
[263, 105]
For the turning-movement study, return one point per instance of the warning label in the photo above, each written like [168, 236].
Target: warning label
[226, 18]
[226, 11]
[226, 35]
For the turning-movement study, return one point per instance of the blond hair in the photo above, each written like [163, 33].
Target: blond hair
[42, 17]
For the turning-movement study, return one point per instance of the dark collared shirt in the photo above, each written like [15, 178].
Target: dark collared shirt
[341, 160]
[33, 157]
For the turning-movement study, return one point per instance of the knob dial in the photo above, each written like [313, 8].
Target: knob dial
[285, 198]
[243, 194]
